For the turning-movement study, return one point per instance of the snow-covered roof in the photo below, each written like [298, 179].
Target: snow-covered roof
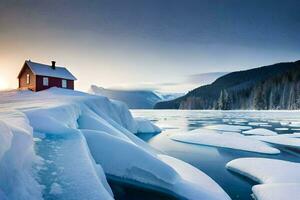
[46, 70]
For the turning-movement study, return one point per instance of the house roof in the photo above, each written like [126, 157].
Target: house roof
[46, 70]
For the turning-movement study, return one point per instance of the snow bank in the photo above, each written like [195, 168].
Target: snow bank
[232, 141]
[280, 179]
[229, 128]
[17, 158]
[129, 161]
[145, 126]
[193, 181]
[134, 163]
[5, 138]
[259, 131]
[127, 120]
[81, 137]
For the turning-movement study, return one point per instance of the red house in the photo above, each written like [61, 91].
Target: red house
[37, 77]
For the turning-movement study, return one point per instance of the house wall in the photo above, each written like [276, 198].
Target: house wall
[23, 79]
[52, 82]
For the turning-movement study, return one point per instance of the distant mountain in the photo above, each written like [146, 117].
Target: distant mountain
[275, 86]
[168, 96]
[135, 99]
[204, 78]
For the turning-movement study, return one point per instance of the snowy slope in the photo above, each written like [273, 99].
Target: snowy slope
[17, 157]
[94, 134]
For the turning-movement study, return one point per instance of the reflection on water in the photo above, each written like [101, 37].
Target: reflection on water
[212, 160]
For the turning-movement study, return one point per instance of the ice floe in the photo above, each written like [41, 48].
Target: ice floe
[294, 124]
[229, 128]
[227, 140]
[265, 170]
[259, 131]
[278, 179]
[284, 123]
[281, 129]
[265, 125]
[284, 139]
[277, 191]
[257, 123]
[145, 126]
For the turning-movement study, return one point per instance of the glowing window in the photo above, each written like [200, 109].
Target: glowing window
[27, 78]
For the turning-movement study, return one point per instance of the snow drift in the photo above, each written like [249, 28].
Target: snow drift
[17, 157]
[92, 133]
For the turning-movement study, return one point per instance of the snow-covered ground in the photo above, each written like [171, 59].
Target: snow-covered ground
[278, 179]
[60, 144]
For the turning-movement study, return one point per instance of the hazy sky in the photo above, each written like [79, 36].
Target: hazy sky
[147, 43]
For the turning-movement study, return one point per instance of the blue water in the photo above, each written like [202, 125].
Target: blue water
[212, 160]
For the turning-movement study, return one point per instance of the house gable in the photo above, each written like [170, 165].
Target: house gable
[27, 79]
[24, 68]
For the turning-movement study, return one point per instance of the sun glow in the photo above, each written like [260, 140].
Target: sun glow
[3, 84]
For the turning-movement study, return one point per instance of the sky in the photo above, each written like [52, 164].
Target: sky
[152, 44]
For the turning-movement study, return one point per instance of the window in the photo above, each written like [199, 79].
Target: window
[64, 83]
[45, 81]
[27, 79]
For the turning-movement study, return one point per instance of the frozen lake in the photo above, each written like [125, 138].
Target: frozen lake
[211, 159]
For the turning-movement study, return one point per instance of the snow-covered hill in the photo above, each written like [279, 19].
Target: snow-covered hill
[61, 144]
